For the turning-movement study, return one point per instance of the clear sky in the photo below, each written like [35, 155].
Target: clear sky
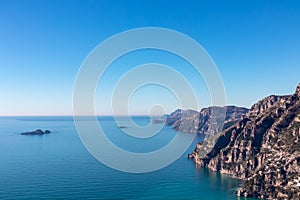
[255, 45]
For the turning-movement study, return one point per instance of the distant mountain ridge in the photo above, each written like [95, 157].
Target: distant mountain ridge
[209, 120]
[263, 148]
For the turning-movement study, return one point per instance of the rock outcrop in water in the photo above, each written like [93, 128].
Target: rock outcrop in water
[36, 132]
[263, 148]
[209, 120]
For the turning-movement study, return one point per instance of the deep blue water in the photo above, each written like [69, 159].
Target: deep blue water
[58, 166]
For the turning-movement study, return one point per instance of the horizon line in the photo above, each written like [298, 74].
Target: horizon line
[143, 115]
[110, 115]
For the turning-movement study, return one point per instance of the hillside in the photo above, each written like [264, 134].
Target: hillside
[209, 120]
[263, 148]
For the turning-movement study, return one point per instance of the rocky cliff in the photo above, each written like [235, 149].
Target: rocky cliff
[209, 120]
[263, 148]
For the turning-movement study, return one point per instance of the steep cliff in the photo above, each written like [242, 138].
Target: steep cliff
[263, 148]
[209, 120]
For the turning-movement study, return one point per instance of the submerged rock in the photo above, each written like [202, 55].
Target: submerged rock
[36, 132]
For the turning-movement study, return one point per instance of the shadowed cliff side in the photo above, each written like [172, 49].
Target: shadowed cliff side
[262, 148]
[209, 120]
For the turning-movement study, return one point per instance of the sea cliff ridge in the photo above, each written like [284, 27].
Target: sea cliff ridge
[262, 148]
[210, 120]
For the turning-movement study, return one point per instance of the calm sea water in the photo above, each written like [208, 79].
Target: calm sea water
[58, 166]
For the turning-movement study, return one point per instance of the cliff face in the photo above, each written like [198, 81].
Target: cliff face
[209, 120]
[263, 148]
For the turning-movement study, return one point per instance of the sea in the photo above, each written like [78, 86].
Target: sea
[58, 166]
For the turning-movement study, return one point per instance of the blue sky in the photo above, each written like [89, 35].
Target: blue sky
[255, 45]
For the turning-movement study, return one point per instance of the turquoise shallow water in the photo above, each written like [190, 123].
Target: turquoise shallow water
[58, 166]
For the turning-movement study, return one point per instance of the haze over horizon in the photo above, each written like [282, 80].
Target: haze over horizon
[255, 45]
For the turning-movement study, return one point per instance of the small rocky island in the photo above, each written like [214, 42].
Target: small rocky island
[37, 132]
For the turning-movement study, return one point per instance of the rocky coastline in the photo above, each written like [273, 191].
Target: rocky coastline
[262, 148]
[209, 120]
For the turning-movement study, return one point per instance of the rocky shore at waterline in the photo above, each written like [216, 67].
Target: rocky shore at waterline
[262, 148]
